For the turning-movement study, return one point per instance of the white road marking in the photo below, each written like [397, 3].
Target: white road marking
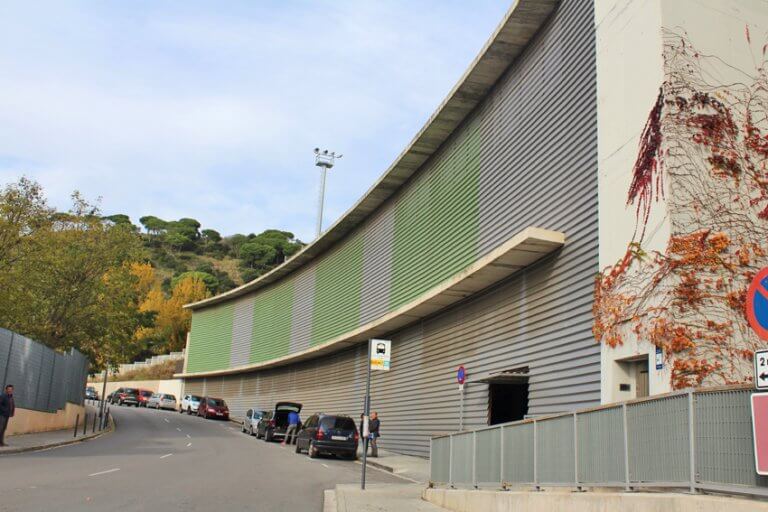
[326, 466]
[177, 428]
[166, 455]
[189, 444]
[166, 420]
[189, 436]
[105, 472]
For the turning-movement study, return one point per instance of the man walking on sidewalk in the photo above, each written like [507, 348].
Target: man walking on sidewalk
[7, 409]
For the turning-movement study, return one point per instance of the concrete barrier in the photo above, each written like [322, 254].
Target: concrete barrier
[459, 500]
[27, 421]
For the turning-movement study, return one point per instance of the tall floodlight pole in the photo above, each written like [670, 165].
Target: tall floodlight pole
[324, 160]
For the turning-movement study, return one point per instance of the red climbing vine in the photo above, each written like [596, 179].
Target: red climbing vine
[708, 141]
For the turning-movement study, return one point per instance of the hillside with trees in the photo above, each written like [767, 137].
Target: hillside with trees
[109, 288]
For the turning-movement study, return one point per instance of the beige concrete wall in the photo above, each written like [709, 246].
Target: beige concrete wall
[26, 421]
[170, 386]
[557, 501]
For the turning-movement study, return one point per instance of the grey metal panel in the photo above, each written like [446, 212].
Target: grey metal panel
[44, 379]
[461, 457]
[518, 453]
[555, 450]
[23, 370]
[242, 330]
[488, 457]
[658, 440]
[538, 167]
[601, 446]
[57, 399]
[439, 460]
[303, 303]
[377, 265]
[724, 441]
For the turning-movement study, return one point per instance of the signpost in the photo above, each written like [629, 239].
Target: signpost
[761, 369]
[659, 359]
[379, 358]
[461, 377]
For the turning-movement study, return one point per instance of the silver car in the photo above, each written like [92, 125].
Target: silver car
[162, 401]
[251, 421]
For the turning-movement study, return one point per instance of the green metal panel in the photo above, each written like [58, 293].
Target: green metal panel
[211, 339]
[272, 322]
[338, 280]
[436, 221]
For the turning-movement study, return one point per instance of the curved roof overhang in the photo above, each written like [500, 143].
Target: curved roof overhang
[520, 23]
[518, 252]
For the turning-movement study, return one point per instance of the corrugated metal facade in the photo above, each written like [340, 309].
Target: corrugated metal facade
[526, 157]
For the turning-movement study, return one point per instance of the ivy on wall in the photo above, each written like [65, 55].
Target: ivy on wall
[706, 138]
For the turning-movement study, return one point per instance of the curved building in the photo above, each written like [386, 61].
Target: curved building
[477, 247]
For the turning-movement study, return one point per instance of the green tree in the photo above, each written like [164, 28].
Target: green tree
[211, 282]
[153, 225]
[211, 235]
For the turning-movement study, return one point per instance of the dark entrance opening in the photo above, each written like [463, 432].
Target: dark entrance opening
[507, 401]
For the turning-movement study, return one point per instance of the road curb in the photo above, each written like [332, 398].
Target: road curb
[88, 437]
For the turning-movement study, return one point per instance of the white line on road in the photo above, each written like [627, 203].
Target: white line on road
[105, 472]
[166, 455]
[177, 428]
[189, 436]
[189, 444]
[326, 466]
[166, 420]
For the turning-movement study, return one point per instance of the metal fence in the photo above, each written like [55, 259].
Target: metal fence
[696, 440]
[43, 379]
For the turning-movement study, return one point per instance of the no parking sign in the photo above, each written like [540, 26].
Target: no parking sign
[757, 304]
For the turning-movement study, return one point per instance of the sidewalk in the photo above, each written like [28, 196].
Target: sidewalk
[405, 497]
[44, 440]
[378, 498]
[413, 468]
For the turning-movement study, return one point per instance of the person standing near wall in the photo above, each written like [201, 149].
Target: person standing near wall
[293, 428]
[7, 410]
[373, 428]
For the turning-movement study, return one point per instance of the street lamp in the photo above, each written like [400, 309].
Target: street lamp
[324, 160]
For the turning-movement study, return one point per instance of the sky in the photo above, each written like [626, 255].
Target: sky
[212, 109]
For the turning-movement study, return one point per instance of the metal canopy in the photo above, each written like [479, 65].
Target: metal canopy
[515, 376]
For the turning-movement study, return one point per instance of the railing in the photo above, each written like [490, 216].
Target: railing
[694, 440]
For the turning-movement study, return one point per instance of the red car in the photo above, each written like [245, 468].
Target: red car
[213, 408]
[143, 396]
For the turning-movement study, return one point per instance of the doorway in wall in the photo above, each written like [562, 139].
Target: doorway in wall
[507, 401]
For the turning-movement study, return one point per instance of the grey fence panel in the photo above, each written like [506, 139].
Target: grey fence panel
[637, 444]
[440, 459]
[43, 379]
[461, 459]
[518, 454]
[57, 398]
[555, 450]
[658, 440]
[6, 338]
[488, 456]
[724, 442]
[601, 446]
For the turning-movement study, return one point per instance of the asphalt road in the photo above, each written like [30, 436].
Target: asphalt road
[163, 460]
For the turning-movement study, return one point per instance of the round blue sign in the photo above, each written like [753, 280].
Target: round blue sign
[757, 304]
[461, 375]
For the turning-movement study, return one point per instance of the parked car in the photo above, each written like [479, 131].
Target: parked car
[251, 421]
[190, 403]
[129, 396]
[213, 408]
[329, 433]
[116, 396]
[144, 395]
[91, 393]
[162, 401]
[274, 423]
